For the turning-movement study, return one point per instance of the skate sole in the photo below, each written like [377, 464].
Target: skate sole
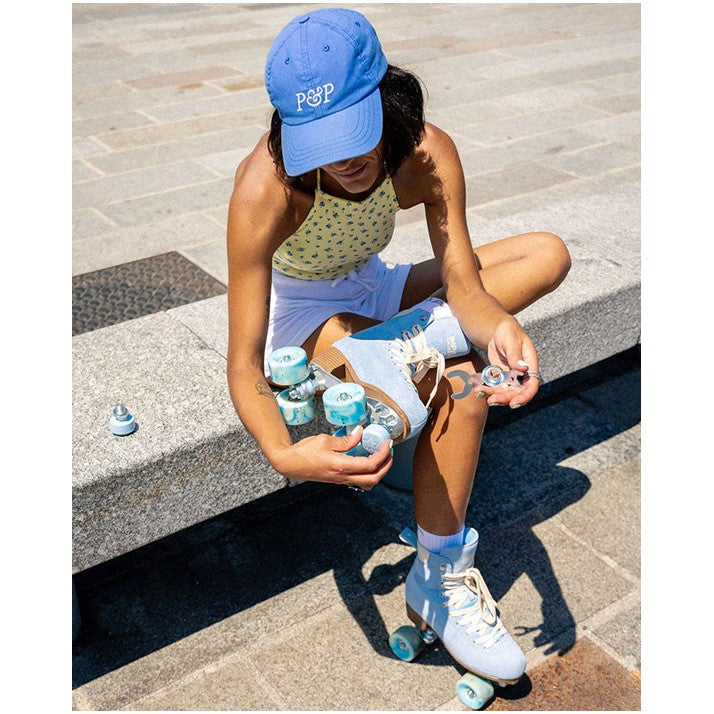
[422, 624]
[332, 360]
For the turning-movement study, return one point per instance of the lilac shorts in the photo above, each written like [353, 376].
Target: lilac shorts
[299, 307]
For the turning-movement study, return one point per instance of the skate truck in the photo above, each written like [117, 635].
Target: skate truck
[346, 404]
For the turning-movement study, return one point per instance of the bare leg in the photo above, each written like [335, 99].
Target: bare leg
[447, 452]
[516, 271]
[334, 329]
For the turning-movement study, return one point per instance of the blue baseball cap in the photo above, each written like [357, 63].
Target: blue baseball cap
[322, 75]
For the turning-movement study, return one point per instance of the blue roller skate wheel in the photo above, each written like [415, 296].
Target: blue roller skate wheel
[373, 437]
[295, 411]
[406, 642]
[288, 366]
[473, 691]
[358, 450]
[345, 404]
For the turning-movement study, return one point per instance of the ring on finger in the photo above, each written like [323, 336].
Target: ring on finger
[535, 373]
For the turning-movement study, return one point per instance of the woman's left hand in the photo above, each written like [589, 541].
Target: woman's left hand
[510, 348]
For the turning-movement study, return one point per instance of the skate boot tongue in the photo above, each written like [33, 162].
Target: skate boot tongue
[413, 352]
[470, 600]
[468, 596]
[461, 557]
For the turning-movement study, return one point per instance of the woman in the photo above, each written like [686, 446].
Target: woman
[313, 204]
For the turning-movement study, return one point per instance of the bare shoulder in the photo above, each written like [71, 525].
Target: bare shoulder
[261, 202]
[436, 151]
[433, 162]
[437, 141]
[257, 180]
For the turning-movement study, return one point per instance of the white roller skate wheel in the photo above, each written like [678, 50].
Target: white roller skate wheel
[296, 411]
[493, 375]
[288, 366]
[345, 403]
[373, 436]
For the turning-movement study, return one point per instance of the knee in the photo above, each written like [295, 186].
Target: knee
[554, 256]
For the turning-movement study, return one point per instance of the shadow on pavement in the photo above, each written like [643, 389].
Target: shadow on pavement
[161, 593]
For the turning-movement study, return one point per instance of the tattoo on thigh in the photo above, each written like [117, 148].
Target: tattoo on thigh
[262, 387]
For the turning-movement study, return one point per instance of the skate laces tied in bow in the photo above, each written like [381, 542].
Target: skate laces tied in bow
[480, 616]
[412, 349]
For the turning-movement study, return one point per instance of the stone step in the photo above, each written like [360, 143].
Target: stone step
[191, 458]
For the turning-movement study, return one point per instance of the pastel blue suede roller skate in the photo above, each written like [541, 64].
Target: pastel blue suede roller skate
[388, 358]
[385, 360]
[448, 599]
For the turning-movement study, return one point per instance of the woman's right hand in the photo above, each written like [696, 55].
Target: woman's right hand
[322, 458]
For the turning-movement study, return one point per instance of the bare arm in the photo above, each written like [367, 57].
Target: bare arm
[482, 317]
[258, 217]
[254, 214]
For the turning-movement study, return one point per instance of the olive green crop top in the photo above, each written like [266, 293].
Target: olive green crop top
[338, 235]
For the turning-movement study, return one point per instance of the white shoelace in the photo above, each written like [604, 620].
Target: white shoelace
[370, 285]
[412, 349]
[480, 617]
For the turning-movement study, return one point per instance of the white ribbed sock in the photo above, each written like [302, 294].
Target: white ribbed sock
[436, 543]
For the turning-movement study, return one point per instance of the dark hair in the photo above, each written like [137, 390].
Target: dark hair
[402, 122]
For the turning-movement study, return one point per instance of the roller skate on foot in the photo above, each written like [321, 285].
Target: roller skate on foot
[448, 599]
[381, 364]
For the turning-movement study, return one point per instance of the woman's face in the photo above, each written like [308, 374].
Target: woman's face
[359, 173]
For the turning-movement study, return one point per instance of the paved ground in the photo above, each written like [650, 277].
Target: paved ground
[542, 101]
[285, 603]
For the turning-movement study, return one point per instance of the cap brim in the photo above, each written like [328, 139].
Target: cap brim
[351, 132]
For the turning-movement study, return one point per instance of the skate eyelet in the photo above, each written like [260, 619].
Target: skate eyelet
[442, 568]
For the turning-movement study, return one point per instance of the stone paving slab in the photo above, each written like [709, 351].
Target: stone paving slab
[622, 632]
[195, 148]
[512, 181]
[609, 517]
[479, 160]
[101, 100]
[105, 248]
[524, 125]
[87, 223]
[569, 63]
[233, 686]
[109, 122]
[583, 679]
[110, 189]
[202, 196]
[595, 160]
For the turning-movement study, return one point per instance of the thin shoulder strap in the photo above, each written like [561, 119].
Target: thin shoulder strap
[318, 178]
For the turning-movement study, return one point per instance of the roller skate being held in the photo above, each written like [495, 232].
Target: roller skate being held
[369, 378]
[447, 598]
